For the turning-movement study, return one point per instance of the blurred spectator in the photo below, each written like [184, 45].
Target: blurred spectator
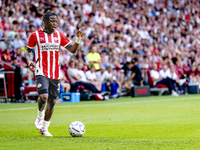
[136, 75]
[110, 77]
[116, 31]
[94, 58]
[96, 83]
[170, 73]
[18, 43]
[81, 72]
[76, 75]
[161, 80]
[164, 71]
[198, 74]
[64, 58]
[100, 74]
[90, 74]
[65, 87]
[6, 56]
[14, 61]
[80, 56]
[73, 72]
[192, 73]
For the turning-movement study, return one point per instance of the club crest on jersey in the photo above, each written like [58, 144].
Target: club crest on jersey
[39, 85]
[55, 39]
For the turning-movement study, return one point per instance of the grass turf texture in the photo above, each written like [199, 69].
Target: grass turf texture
[128, 123]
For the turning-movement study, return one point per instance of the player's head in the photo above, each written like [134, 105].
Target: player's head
[50, 20]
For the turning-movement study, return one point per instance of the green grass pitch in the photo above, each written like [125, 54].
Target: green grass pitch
[146, 123]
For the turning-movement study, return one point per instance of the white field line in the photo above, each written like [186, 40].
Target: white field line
[104, 104]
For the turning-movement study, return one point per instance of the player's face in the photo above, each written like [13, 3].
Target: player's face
[53, 22]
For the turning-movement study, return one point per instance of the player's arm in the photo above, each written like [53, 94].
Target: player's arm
[73, 47]
[28, 53]
[29, 56]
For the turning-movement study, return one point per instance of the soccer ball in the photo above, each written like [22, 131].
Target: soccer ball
[76, 129]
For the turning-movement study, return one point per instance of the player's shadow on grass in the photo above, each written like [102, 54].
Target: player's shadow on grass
[68, 137]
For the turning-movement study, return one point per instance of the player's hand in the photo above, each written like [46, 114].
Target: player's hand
[31, 65]
[80, 33]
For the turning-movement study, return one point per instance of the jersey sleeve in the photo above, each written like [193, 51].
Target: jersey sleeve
[32, 40]
[64, 40]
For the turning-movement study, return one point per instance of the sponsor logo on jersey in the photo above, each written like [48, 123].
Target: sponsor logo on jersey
[50, 47]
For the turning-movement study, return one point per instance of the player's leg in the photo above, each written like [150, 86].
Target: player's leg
[54, 90]
[49, 109]
[41, 104]
[48, 113]
[42, 88]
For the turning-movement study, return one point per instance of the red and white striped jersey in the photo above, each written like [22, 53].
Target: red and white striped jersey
[47, 52]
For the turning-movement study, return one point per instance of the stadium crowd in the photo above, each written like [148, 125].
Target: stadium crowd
[120, 35]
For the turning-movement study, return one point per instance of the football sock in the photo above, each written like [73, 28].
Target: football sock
[45, 125]
[41, 114]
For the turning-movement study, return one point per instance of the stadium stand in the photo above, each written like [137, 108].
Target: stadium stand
[154, 31]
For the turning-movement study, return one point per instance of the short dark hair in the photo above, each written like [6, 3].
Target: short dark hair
[134, 60]
[47, 15]
[71, 60]
[92, 66]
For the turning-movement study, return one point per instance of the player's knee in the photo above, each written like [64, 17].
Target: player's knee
[44, 97]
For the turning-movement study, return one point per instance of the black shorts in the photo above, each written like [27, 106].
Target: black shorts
[49, 86]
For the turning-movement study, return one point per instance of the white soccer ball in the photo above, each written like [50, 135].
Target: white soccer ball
[76, 129]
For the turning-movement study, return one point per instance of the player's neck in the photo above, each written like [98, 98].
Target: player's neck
[48, 31]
